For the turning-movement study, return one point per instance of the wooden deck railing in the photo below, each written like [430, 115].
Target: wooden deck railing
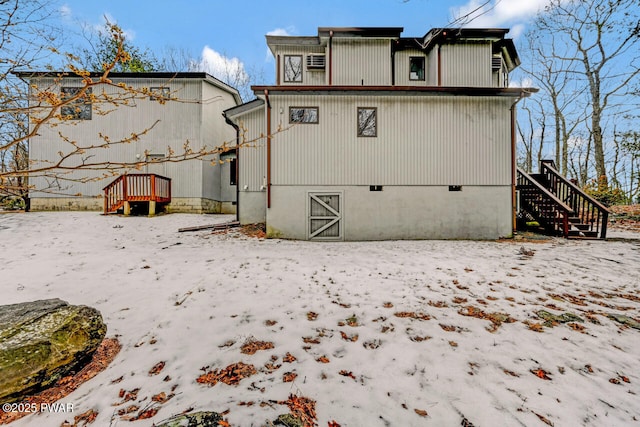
[589, 210]
[144, 187]
[551, 212]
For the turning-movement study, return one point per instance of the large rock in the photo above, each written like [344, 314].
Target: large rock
[197, 419]
[42, 341]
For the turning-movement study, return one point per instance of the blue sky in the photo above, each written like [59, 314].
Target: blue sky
[234, 31]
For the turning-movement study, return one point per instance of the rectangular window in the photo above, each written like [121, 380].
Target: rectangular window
[303, 114]
[79, 108]
[416, 68]
[232, 172]
[159, 94]
[367, 121]
[293, 68]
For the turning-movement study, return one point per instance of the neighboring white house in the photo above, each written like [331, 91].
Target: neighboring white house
[194, 115]
[368, 135]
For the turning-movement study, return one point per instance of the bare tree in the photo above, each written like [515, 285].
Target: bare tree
[102, 48]
[28, 38]
[601, 39]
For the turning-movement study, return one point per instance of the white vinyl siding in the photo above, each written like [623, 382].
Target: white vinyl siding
[422, 140]
[467, 64]
[361, 62]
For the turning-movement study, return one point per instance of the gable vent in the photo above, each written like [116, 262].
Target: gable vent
[496, 63]
[316, 61]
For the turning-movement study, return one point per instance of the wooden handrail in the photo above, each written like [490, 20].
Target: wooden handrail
[588, 209]
[143, 187]
[540, 199]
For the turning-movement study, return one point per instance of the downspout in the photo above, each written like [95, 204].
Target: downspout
[330, 57]
[266, 95]
[229, 122]
[439, 67]
[278, 71]
[393, 63]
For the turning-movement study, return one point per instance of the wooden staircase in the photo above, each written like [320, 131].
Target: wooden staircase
[559, 206]
[143, 187]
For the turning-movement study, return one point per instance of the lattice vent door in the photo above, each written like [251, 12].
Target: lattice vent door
[325, 218]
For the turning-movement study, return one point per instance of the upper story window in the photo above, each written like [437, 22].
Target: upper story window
[159, 94]
[293, 68]
[79, 108]
[367, 121]
[303, 115]
[416, 68]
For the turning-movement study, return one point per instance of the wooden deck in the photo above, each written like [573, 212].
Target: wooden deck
[143, 187]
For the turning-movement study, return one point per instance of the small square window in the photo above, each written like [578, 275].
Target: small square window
[78, 109]
[416, 68]
[367, 121]
[159, 94]
[293, 68]
[303, 115]
[233, 172]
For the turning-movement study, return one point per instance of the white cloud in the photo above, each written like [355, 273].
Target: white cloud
[498, 13]
[65, 11]
[525, 82]
[278, 32]
[229, 70]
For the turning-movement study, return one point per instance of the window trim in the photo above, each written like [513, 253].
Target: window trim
[284, 70]
[233, 171]
[84, 100]
[163, 91]
[360, 131]
[423, 68]
[302, 122]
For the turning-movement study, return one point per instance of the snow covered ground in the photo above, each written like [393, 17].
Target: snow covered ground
[415, 333]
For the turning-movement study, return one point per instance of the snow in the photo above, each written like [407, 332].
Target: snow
[179, 297]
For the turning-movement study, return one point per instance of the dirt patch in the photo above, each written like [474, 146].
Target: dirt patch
[625, 217]
[257, 231]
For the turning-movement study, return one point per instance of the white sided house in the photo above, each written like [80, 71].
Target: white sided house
[193, 113]
[368, 135]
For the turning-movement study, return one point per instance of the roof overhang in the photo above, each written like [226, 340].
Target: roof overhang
[163, 76]
[396, 90]
[240, 110]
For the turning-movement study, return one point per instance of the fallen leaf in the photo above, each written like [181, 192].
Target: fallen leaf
[158, 367]
[311, 340]
[289, 377]
[352, 338]
[231, 375]
[421, 412]
[543, 419]
[251, 346]
[289, 358]
[541, 373]
[346, 373]
[413, 315]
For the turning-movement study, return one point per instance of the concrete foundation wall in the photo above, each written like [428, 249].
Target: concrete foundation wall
[253, 207]
[178, 204]
[407, 212]
[67, 204]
